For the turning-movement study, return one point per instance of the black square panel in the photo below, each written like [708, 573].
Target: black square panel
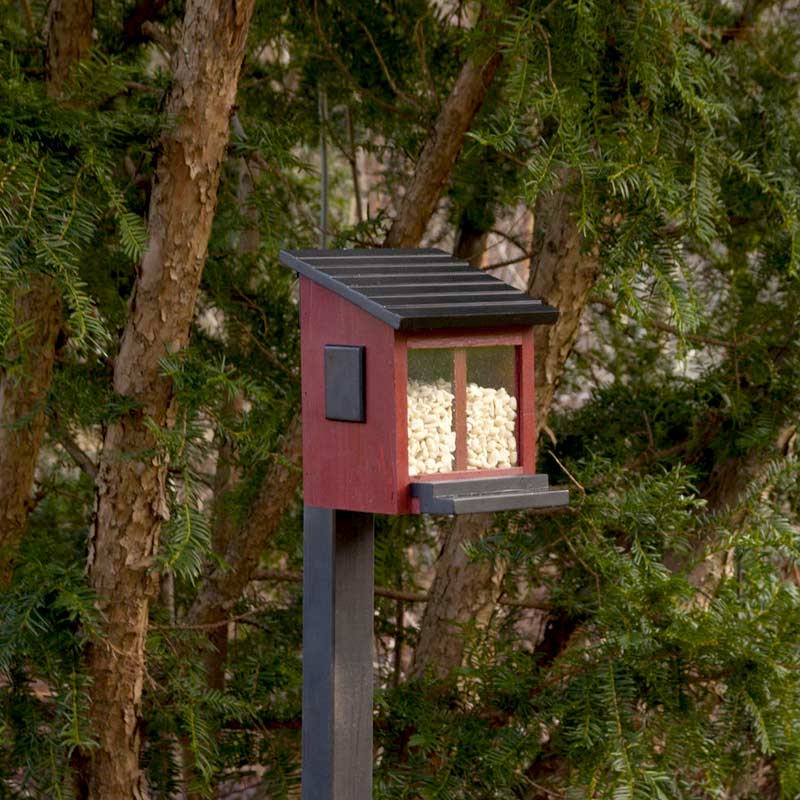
[345, 396]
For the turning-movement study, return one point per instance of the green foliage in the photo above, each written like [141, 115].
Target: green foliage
[628, 707]
[678, 136]
[60, 195]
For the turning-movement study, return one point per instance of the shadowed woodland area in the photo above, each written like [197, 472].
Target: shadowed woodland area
[635, 164]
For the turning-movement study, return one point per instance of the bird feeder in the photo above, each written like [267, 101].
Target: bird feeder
[417, 384]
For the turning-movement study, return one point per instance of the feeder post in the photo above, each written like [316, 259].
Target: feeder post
[338, 556]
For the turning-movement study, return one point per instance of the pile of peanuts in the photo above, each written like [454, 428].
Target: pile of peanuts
[491, 428]
[431, 438]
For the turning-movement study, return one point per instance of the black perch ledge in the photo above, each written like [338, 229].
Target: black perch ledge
[501, 493]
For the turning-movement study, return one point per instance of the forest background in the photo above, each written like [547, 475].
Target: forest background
[636, 164]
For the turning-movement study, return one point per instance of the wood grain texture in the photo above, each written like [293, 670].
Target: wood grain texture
[405, 501]
[364, 466]
[352, 672]
[466, 337]
[319, 553]
[467, 474]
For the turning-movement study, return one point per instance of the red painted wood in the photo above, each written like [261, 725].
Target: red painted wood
[466, 337]
[469, 473]
[348, 465]
[405, 503]
[517, 384]
[526, 408]
[364, 467]
[460, 406]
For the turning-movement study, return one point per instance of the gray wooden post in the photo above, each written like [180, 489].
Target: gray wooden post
[338, 571]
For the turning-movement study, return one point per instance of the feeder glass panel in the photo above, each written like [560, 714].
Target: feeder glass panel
[431, 431]
[491, 408]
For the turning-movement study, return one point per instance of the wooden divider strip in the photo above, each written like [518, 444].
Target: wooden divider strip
[460, 405]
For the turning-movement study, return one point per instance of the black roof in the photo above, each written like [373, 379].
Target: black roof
[423, 288]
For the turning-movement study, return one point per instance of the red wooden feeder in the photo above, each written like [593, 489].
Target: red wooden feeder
[417, 381]
[417, 378]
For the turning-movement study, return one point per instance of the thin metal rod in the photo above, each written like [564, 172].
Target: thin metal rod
[353, 159]
[323, 168]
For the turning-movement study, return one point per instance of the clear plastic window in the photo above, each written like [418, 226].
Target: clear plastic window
[491, 408]
[462, 409]
[431, 432]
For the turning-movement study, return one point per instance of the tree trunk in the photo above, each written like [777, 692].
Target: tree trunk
[438, 157]
[131, 502]
[462, 593]
[23, 394]
[563, 275]
[69, 37]
[470, 243]
[37, 309]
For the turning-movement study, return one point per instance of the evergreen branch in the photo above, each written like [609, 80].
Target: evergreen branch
[623, 748]
[351, 79]
[667, 328]
[385, 69]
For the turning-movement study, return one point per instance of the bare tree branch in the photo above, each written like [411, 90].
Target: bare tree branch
[77, 455]
[441, 150]
[663, 326]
